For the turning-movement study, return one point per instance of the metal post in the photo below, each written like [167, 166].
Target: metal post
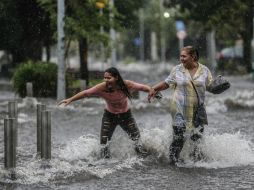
[29, 89]
[252, 43]
[40, 109]
[10, 142]
[112, 33]
[12, 109]
[46, 135]
[154, 54]
[101, 44]
[60, 51]
[82, 85]
[162, 38]
[211, 50]
[13, 113]
[181, 44]
[141, 30]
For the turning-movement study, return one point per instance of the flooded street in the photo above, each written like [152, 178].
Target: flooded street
[228, 144]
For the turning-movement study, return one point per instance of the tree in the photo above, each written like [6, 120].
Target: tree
[83, 21]
[230, 18]
[24, 28]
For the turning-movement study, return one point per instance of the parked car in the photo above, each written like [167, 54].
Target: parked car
[230, 60]
[235, 52]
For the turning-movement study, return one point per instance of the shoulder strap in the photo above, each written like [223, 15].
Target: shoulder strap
[196, 92]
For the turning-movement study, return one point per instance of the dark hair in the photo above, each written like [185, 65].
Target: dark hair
[115, 73]
[192, 51]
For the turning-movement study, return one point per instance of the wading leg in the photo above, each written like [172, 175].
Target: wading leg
[177, 144]
[107, 130]
[130, 127]
[197, 154]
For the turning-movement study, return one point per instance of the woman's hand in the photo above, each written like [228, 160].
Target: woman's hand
[65, 102]
[151, 94]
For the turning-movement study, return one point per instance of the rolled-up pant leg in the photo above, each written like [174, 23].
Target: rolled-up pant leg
[177, 144]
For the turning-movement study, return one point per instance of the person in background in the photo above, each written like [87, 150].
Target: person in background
[185, 99]
[116, 92]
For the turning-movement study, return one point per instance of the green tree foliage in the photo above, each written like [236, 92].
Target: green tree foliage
[163, 27]
[232, 19]
[153, 21]
[225, 16]
[83, 20]
[42, 75]
[128, 17]
[24, 29]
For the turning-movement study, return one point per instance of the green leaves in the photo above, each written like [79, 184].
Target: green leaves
[42, 75]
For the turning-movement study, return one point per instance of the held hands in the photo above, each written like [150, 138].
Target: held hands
[65, 102]
[154, 94]
[151, 94]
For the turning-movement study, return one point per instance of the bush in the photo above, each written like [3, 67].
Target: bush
[43, 76]
[129, 60]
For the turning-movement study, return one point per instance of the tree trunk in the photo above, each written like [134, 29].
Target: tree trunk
[83, 53]
[48, 55]
[247, 36]
[211, 49]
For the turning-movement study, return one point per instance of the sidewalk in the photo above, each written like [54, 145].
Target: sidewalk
[6, 90]
[5, 84]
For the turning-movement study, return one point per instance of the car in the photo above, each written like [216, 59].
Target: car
[230, 59]
[234, 52]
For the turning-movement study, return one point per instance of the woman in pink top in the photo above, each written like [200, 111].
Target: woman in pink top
[116, 92]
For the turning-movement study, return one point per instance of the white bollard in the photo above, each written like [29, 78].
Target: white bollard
[82, 84]
[29, 89]
[12, 109]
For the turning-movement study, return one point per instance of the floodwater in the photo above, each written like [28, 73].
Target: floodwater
[228, 145]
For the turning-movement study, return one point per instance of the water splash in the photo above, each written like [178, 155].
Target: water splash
[242, 99]
[84, 148]
[227, 150]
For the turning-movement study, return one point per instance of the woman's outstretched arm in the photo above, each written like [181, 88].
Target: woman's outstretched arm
[85, 93]
[160, 86]
[134, 86]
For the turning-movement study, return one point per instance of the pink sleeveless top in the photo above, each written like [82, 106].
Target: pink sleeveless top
[117, 101]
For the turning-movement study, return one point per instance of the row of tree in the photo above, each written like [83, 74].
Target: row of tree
[231, 19]
[29, 25]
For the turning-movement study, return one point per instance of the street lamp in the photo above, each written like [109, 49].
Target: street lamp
[60, 50]
[166, 14]
[112, 33]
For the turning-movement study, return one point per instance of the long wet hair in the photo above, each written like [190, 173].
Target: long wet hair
[120, 83]
[192, 51]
